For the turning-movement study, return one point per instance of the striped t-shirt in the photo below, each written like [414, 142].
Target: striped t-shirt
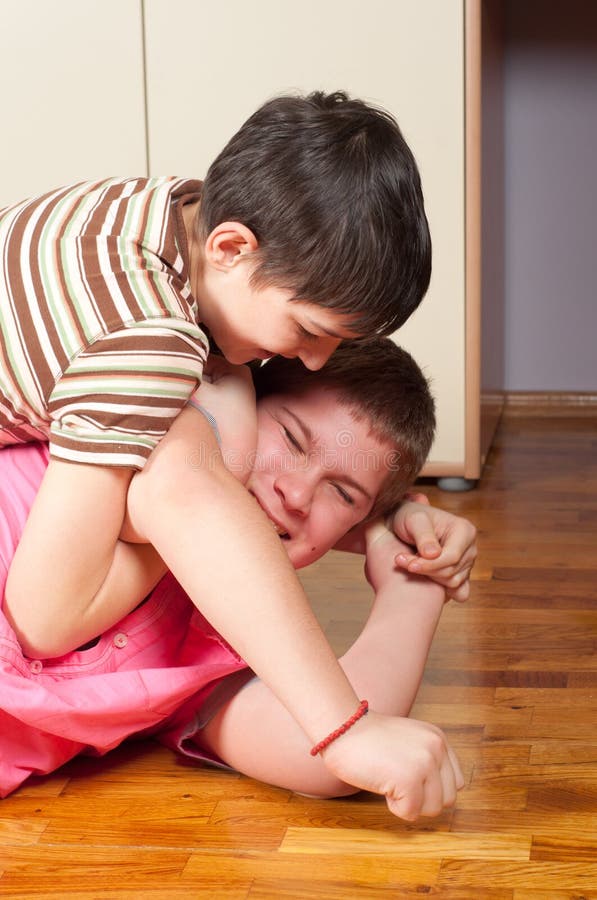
[99, 343]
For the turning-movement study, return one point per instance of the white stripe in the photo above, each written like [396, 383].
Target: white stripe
[126, 460]
[85, 430]
[140, 363]
[153, 412]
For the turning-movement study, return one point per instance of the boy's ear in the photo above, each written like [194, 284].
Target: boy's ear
[228, 244]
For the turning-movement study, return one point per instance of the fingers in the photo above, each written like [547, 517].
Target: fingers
[408, 806]
[422, 534]
[446, 780]
[456, 584]
[429, 798]
[461, 593]
[459, 777]
[437, 786]
[450, 570]
[417, 497]
[455, 556]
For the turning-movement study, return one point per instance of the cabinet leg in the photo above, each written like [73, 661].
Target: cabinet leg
[456, 484]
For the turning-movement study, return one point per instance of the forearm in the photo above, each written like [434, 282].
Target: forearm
[233, 567]
[224, 552]
[384, 665]
[386, 662]
[134, 572]
[65, 553]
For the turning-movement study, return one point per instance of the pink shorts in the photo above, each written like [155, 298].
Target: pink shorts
[161, 670]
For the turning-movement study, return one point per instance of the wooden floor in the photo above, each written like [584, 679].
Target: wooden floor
[512, 677]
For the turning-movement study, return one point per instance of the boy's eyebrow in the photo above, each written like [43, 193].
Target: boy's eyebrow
[308, 435]
[355, 484]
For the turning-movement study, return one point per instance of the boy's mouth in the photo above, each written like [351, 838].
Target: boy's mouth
[282, 534]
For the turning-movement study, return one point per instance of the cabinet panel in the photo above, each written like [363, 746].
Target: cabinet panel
[406, 55]
[73, 93]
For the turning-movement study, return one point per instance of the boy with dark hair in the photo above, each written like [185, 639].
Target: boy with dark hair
[104, 289]
[331, 192]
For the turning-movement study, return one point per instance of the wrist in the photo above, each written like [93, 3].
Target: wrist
[337, 753]
[362, 710]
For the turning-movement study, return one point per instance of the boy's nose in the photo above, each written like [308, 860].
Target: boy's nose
[315, 357]
[295, 492]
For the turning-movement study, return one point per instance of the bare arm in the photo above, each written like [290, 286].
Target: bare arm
[65, 552]
[71, 578]
[385, 665]
[225, 553]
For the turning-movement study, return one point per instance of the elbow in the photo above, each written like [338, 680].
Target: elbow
[41, 632]
[37, 640]
[160, 489]
[311, 778]
[327, 788]
[174, 477]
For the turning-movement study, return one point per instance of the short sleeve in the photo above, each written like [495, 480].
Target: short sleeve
[120, 395]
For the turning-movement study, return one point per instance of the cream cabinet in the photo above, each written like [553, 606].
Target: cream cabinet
[128, 87]
[415, 58]
[73, 104]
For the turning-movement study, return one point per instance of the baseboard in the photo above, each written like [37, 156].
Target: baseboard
[551, 403]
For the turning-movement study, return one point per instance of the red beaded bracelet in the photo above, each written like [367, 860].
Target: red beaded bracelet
[361, 711]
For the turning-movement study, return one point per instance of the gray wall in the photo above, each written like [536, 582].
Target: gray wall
[550, 122]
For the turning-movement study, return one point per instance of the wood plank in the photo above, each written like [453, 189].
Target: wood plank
[559, 751]
[209, 890]
[554, 895]
[547, 697]
[390, 871]
[562, 849]
[410, 845]
[21, 831]
[342, 815]
[573, 876]
[583, 774]
[560, 824]
[289, 889]
[479, 714]
[36, 869]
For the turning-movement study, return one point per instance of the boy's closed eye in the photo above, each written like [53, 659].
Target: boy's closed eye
[308, 335]
[290, 438]
[343, 494]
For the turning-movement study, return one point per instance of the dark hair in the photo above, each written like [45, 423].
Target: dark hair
[331, 191]
[378, 382]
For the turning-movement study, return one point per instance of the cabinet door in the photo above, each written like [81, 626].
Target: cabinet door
[73, 93]
[210, 65]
